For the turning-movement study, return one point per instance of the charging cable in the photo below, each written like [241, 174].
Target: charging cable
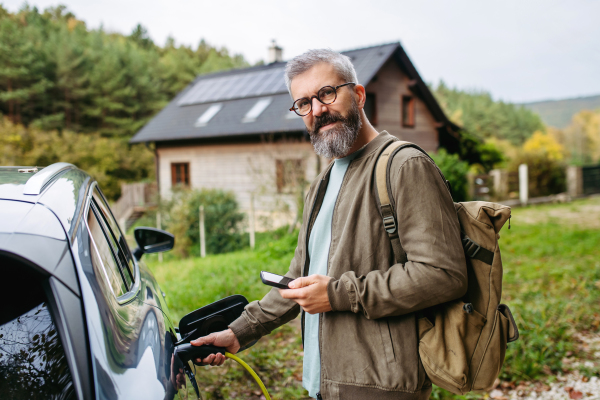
[187, 352]
[251, 371]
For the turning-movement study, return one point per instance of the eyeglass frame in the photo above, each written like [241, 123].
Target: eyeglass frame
[310, 99]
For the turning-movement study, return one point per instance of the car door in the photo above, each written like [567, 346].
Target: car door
[131, 339]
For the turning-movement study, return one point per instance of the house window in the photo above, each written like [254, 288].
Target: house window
[290, 175]
[370, 108]
[180, 174]
[208, 114]
[257, 109]
[408, 111]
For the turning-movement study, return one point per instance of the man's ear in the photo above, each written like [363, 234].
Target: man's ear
[361, 96]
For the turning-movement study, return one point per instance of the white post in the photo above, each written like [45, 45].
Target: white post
[158, 226]
[574, 181]
[523, 184]
[251, 221]
[202, 238]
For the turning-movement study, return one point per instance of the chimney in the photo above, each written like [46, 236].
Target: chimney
[275, 53]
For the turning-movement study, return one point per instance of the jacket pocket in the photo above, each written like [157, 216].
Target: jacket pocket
[386, 339]
[493, 357]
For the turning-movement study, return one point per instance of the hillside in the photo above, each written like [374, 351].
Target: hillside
[558, 113]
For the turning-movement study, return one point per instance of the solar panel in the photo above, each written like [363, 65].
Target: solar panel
[266, 87]
[206, 90]
[235, 86]
[270, 81]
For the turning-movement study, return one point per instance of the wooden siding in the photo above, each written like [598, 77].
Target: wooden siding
[243, 169]
[389, 87]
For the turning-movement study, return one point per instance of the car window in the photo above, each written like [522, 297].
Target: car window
[103, 257]
[124, 254]
[114, 246]
[32, 357]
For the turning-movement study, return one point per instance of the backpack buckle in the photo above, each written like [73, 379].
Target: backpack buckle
[471, 248]
[389, 224]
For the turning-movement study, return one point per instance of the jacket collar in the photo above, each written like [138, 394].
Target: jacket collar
[367, 149]
[374, 144]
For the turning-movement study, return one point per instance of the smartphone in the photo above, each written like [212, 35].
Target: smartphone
[275, 280]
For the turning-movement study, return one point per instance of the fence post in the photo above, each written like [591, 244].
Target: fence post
[523, 184]
[500, 178]
[252, 237]
[574, 181]
[158, 226]
[202, 238]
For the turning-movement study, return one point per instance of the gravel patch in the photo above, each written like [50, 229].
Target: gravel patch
[571, 386]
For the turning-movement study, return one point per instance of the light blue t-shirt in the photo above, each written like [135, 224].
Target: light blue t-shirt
[318, 251]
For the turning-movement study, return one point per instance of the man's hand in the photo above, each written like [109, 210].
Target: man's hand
[225, 339]
[310, 292]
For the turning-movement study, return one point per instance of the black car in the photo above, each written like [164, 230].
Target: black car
[81, 316]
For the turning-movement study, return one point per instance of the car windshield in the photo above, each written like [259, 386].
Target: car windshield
[33, 364]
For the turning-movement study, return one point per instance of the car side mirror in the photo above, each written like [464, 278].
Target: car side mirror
[152, 240]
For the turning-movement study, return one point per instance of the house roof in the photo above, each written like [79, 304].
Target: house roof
[255, 100]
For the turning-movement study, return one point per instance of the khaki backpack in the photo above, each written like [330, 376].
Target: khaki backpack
[462, 343]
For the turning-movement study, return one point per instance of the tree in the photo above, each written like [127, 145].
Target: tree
[56, 73]
[483, 117]
[581, 138]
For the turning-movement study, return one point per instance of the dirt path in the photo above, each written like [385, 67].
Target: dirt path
[584, 213]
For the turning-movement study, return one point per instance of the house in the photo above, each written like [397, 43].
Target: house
[233, 130]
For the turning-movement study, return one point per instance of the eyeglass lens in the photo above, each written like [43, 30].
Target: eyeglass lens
[326, 95]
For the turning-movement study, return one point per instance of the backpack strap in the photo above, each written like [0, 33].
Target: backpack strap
[383, 199]
[384, 190]
[386, 206]
[474, 250]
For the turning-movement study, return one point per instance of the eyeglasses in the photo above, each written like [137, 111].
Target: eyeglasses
[326, 95]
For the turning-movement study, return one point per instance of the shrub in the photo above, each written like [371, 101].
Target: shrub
[455, 170]
[546, 175]
[222, 220]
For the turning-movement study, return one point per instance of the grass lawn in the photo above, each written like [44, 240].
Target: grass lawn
[551, 258]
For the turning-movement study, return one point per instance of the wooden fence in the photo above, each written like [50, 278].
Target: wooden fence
[135, 200]
[591, 179]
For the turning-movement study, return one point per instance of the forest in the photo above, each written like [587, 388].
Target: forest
[70, 93]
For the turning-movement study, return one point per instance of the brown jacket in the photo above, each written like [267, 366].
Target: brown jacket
[369, 342]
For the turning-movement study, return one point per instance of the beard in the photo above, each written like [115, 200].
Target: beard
[337, 141]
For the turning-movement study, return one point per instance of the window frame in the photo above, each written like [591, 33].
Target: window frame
[132, 291]
[111, 245]
[280, 174]
[186, 177]
[408, 108]
[121, 245]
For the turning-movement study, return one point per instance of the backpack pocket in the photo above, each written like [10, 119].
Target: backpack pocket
[494, 353]
[446, 347]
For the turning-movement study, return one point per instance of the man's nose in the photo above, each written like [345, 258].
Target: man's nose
[318, 108]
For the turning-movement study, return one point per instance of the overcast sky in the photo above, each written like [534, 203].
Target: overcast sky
[522, 50]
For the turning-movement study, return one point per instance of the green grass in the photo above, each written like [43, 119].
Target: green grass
[551, 283]
[195, 282]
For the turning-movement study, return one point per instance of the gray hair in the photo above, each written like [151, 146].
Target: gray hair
[302, 63]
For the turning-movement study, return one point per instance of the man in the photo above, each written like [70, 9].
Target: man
[360, 326]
